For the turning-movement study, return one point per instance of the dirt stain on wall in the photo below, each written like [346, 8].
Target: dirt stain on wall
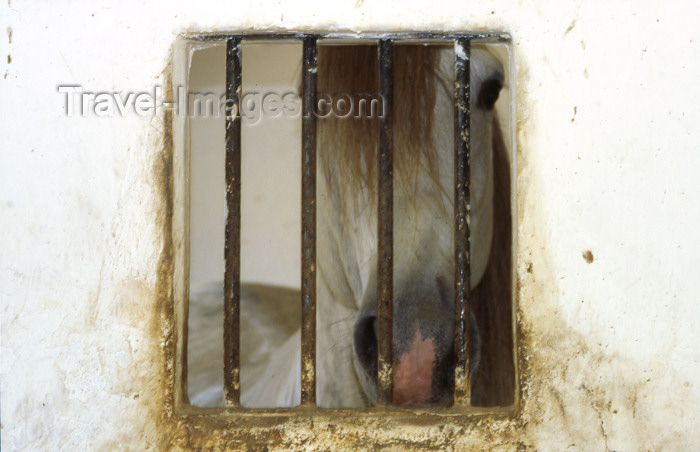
[556, 368]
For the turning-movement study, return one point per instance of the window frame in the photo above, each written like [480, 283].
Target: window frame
[347, 427]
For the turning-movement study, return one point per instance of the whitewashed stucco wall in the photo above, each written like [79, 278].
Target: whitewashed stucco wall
[608, 159]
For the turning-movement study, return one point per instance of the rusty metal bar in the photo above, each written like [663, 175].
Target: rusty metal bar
[308, 224]
[417, 37]
[462, 338]
[385, 222]
[232, 254]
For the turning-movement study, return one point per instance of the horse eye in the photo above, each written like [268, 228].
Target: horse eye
[489, 93]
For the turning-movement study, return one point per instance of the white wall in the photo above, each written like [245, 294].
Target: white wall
[271, 162]
[607, 162]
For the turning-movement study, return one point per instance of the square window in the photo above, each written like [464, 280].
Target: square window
[329, 167]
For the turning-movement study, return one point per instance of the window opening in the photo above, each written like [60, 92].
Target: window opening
[474, 376]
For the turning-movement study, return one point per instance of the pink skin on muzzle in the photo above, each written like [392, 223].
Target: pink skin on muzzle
[413, 373]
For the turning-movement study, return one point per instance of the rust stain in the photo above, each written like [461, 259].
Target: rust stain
[571, 27]
[587, 256]
[160, 398]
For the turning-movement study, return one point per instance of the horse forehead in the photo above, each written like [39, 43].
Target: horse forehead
[485, 65]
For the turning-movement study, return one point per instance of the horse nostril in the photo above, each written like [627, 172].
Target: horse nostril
[366, 344]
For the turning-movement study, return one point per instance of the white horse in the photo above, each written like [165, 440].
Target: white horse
[347, 251]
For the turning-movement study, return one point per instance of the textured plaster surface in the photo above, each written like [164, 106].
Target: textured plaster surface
[608, 206]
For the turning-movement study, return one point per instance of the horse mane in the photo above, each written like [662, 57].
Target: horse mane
[491, 299]
[354, 69]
